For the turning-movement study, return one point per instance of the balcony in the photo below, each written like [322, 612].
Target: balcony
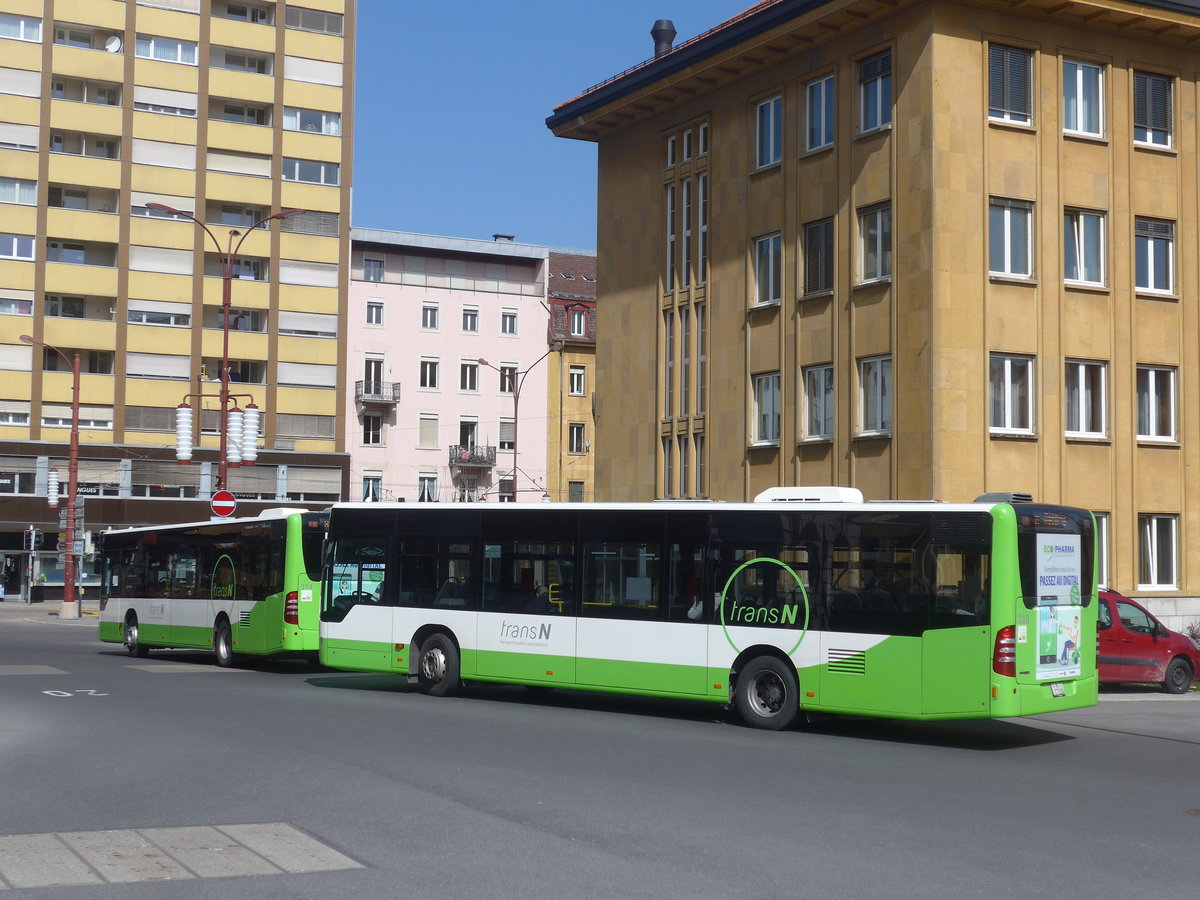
[476, 456]
[385, 392]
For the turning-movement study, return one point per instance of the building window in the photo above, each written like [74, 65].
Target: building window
[685, 361]
[372, 488]
[668, 446]
[1083, 246]
[701, 356]
[1010, 85]
[429, 318]
[702, 225]
[766, 409]
[313, 20]
[575, 438]
[671, 145]
[468, 377]
[875, 92]
[13, 306]
[818, 257]
[508, 321]
[374, 313]
[165, 49]
[577, 381]
[21, 28]
[508, 434]
[698, 443]
[669, 275]
[1156, 403]
[768, 132]
[310, 171]
[470, 319]
[687, 145]
[1011, 379]
[372, 269]
[427, 432]
[686, 263]
[875, 239]
[18, 190]
[578, 323]
[1010, 238]
[1154, 254]
[702, 141]
[768, 269]
[1153, 109]
[372, 430]
[507, 491]
[818, 403]
[574, 491]
[669, 361]
[312, 120]
[427, 491]
[818, 113]
[16, 246]
[1086, 399]
[875, 395]
[1101, 549]
[685, 473]
[429, 373]
[508, 378]
[1083, 98]
[1156, 551]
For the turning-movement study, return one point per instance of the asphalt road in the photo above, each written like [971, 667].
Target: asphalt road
[281, 780]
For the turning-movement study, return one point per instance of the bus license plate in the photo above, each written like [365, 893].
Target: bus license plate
[1057, 689]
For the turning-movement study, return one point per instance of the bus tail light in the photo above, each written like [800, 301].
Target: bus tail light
[291, 611]
[1004, 658]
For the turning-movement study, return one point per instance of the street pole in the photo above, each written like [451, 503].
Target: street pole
[227, 256]
[69, 608]
[518, 381]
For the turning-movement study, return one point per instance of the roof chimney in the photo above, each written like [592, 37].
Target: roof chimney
[663, 33]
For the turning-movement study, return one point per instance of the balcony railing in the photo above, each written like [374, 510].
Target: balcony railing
[474, 457]
[377, 391]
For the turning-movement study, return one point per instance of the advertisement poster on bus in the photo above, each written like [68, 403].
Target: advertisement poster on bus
[1059, 583]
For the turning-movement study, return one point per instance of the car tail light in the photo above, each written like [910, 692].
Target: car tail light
[1004, 658]
[291, 612]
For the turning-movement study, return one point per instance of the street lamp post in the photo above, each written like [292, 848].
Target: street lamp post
[518, 380]
[227, 257]
[69, 608]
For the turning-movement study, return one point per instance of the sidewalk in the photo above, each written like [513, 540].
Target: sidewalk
[13, 608]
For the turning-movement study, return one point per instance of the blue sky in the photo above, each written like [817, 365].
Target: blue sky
[452, 98]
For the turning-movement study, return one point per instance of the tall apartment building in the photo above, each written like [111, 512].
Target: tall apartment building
[927, 249]
[228, 111]
[572, 432]
[447, 357]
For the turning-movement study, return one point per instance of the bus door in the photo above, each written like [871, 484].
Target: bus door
[527, 631]
[956, 648]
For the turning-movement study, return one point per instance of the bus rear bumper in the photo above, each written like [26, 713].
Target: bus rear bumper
[1010, 698]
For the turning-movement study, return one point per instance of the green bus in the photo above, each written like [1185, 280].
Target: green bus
[246, 586]
[806, 599]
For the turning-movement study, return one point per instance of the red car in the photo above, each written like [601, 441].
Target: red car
[1135, 646]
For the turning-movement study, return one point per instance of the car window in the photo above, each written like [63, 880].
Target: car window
[1134, 618]
[1103, 617]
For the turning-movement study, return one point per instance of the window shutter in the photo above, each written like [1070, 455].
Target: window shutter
[318, 324]
[307, 375]
[428, 436]
[818, 257]
[297, 271]
[163, 153]
[23, 137]
[160, 259]
[313, 480]
[1009, 86]
[25, 82]
[312, 70]
[164, 97]
[507, 431]
[1152, 101]
[875, 67]
[158, 365]
[1154, 228]
[239, 163]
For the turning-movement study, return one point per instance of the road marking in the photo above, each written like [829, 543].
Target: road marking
[162, 854]
[31, 670]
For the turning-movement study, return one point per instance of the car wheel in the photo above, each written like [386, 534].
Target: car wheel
[437, 668]
[1178, 677]
[765, 694]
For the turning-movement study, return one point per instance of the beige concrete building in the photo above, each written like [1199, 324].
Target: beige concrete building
[927, 249]
[229, 112]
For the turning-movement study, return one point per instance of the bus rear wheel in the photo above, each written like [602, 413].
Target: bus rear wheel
[765, 694]
[437, 667]
[223, 644]
[133, 646]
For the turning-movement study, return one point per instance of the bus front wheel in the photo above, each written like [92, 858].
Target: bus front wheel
[132, 645]
[223, 644]
[766, 694]
[437, 669]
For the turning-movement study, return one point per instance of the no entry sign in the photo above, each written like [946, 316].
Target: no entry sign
[223, 503]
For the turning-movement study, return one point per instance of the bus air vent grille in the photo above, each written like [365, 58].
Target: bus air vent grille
[244, 619]
[848, 662]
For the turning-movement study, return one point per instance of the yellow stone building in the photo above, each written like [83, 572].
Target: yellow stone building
[571, 435]
[230, 112]
[926, 249]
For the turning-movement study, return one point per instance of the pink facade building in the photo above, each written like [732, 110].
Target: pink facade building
[445, 348]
